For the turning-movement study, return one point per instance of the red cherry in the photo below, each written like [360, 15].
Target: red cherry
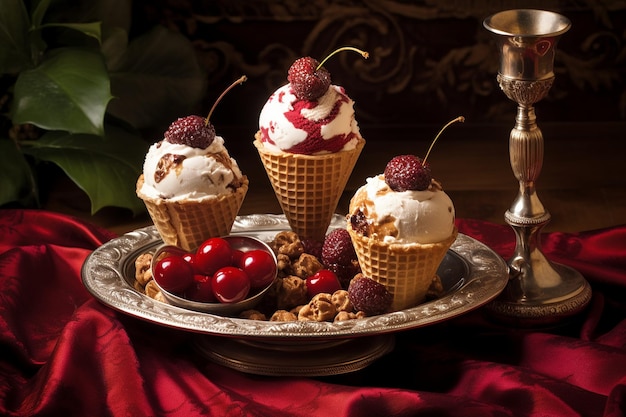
[173, 274]
[191, 259]
[230, 284]
[260, 267]
[213, 254]
[237, 255]
[323, 281]
[201, 289]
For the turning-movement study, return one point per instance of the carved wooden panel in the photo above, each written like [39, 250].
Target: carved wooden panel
[430, 60]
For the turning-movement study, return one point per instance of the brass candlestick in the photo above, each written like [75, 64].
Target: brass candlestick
[539, 292]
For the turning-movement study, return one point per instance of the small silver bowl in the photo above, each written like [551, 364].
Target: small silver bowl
[240, 242]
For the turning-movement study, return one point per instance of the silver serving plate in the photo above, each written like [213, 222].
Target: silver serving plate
[472, 275]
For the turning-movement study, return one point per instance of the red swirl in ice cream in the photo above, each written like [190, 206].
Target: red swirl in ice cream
[310, 127]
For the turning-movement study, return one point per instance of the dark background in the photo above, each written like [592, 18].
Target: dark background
[430, 61]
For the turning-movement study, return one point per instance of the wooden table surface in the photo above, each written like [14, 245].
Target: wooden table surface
[582, 182]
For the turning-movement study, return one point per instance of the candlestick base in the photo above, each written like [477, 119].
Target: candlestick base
[549, 309]
[539, 292]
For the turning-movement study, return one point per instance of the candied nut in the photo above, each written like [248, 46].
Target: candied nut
[341, 301]
[153, 291]
[305, 266]
[287, 243]
[320, 308]
[283, 315]
[252, 315]
[361, 314]
[345, 315]
[143, 273]
[283, 262]
[291, 293]
[306, 313]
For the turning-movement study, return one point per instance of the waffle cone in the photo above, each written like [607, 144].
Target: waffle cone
[188, 223]
[308, 187]
[407, 270]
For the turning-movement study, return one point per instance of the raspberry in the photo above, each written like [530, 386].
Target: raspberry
[369, 296]
[338, 248]
[308, 82]
[406, 172]
[191, 131]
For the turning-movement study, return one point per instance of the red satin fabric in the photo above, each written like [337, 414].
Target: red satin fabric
[63, 353]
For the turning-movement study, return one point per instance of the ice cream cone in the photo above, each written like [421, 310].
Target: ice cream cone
[308, 187]
[407, 270]
[188, 223]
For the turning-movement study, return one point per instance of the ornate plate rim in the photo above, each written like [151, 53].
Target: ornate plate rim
[103, 276]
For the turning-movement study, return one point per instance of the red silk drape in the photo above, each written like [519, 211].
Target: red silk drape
[63, 353]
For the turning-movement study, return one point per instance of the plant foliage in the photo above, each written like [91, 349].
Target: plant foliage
[76, 94]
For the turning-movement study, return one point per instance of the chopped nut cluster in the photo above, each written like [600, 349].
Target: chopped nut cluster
[143, 277]
[283, 315]
[143, 273]
[320, 308]
[287, 299]
[291, 292]
[292, 260]
[287, 243]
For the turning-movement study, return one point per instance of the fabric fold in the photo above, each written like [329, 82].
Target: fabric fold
[65, 353]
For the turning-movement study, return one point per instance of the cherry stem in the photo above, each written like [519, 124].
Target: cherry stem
[230, 87]
[364, 54]
[458, 119]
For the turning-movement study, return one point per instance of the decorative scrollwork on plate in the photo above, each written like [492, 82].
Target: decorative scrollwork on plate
[472, 273]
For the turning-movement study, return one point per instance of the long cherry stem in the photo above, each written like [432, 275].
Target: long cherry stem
[458, 119]
[230, 87]
[364, 54]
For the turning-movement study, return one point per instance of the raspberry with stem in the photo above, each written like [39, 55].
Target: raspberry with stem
[196, 131]
[409, 172]
[309, 79]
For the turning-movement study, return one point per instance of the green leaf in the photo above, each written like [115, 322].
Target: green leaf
[39, 12]
[158, 79]
[105, 168]
[93, 29]
[112, 13]
[14, 46]
[69, 91]
[16, 179]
